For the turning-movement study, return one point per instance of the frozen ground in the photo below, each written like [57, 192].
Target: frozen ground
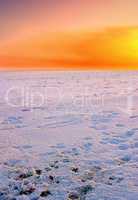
[68, 135]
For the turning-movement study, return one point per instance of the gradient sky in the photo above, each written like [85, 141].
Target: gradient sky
[74, 34]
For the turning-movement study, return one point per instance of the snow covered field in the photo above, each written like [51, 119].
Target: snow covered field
[69, 135]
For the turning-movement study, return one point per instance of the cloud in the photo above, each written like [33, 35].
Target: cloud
[108, 48]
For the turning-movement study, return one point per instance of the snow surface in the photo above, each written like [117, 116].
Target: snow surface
[90, 118]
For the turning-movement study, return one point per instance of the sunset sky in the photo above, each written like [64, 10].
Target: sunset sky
[68, 34]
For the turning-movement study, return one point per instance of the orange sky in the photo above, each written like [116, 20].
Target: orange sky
[62, 34]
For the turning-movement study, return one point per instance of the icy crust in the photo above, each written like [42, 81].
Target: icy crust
[70, 172]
